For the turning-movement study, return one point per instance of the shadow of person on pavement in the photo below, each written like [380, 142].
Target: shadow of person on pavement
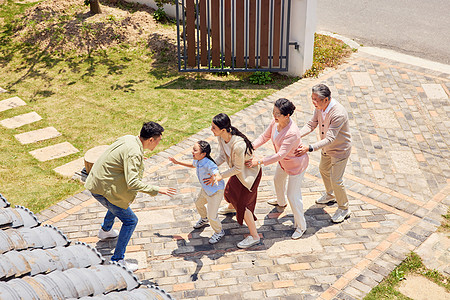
[193, 247]
[276, 228]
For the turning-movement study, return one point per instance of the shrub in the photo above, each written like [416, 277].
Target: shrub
[328, 52]
[261, 78]
[160, 15]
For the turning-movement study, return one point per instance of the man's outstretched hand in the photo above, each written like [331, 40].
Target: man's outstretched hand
[167, 191]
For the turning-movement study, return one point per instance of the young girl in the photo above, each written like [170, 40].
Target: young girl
[211, 194]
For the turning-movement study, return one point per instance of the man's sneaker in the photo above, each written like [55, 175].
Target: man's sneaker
[275, 203]
[103, 235]
[298, 233]
[130, 266]
[248, 242]
[224, 210]
[340, 215]
[325, 199]
[216, 237]
[201, 223]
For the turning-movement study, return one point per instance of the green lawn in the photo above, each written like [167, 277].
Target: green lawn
[93, 99]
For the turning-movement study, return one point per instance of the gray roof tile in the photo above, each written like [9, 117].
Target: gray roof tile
[40, 262]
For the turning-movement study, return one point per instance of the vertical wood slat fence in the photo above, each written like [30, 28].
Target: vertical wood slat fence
[233, 35]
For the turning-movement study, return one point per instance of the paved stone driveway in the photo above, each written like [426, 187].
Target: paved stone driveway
[398, 185]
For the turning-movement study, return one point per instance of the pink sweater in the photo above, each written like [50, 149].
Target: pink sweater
[287, 140]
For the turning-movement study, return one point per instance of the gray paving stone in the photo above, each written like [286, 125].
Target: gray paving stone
[54, 151]
[392, 114]
[20, 120]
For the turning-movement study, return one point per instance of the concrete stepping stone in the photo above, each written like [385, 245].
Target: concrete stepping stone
[11, 102]
[37, 135]
[434, 91]
[385, 118]
[435, 252]
[420, 288]
[361, 79]
[20, 120]
[3, 90]
[150, 217]
[69, 169]
[54, 151]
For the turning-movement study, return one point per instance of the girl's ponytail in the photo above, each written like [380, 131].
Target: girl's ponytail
[205, 148]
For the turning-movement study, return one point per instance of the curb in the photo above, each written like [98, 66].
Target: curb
[392, 55]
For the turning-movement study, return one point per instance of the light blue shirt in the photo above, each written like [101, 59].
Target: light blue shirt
[205, 168]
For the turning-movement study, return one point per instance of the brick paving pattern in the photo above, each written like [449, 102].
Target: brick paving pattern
[397, 180]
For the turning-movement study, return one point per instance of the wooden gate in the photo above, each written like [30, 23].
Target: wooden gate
[233, 35]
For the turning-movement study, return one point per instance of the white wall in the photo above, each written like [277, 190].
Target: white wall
[303, 26]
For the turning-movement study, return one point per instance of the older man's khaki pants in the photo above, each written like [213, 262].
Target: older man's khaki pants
[332, 171]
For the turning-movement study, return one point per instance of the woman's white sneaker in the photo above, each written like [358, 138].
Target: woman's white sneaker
[298, 233]
[224, 210]
[248, 242]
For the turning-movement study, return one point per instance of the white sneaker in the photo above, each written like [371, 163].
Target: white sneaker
[275, 203]
[325, 199]
[201, 223]
[225, 210]
[340, 215]
[248, 242]
[298, 233]
[103, 235]
[130, 266]
[216, 237]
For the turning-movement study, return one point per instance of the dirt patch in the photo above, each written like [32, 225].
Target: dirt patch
[69, 26]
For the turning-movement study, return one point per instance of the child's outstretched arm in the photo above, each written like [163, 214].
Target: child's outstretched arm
[173, 160]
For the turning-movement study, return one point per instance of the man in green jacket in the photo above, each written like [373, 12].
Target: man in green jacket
[115, 179]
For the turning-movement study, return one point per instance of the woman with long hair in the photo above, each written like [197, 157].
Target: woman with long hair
[241, 189]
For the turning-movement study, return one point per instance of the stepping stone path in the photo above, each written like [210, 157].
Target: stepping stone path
[37, 135]
[11, 102]
[18, 121]
[54, 151]
[69, 169]
[42, 154]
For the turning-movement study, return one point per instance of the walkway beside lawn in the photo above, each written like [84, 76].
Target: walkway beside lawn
[397, 180]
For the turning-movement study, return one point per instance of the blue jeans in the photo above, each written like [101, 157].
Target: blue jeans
[129, 222]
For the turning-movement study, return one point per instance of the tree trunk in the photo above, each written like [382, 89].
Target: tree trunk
[95, 7]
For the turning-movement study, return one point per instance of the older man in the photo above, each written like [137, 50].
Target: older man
[332, 119]
[115, 179]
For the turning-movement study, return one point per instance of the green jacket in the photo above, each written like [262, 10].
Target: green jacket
[117, 174]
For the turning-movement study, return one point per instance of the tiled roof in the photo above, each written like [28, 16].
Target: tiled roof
[40, 262]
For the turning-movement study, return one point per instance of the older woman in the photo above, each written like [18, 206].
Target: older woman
[241, 189]
[285, 136]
